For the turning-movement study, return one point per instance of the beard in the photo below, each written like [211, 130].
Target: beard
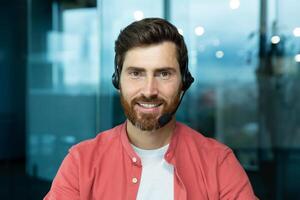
[147, 121]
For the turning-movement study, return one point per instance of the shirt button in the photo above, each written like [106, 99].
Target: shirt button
[134, 180]
[134, 159]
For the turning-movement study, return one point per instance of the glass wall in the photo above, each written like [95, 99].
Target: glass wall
[244, 55]
[63, 81]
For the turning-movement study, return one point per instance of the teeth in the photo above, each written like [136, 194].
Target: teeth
[149, 105]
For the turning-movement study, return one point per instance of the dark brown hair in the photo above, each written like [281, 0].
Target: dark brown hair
[147, 32]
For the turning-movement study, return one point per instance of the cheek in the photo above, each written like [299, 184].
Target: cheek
[129, 92]
[171, 90]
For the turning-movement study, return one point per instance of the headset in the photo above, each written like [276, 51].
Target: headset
[187, 78]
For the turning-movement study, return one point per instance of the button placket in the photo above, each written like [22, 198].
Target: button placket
[134, 160]
[135, 177]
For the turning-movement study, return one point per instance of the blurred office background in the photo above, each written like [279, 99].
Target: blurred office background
[56, 62]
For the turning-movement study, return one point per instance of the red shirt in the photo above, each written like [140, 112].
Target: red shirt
[107, 168]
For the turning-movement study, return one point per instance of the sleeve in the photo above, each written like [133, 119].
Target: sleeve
[233, 180]
[65, 185]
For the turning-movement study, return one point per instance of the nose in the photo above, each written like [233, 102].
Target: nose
[151, 87]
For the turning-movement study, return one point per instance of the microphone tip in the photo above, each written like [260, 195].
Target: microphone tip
[164, 119]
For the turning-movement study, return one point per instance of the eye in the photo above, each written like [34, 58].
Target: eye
[135, 74]
[165, 75]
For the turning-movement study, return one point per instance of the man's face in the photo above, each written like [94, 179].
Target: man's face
[150, 84]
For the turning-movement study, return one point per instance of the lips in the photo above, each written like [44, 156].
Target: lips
[149, 105]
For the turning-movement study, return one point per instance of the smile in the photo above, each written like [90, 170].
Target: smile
[149, 105]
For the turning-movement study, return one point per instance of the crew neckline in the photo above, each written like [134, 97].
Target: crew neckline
[150, 152]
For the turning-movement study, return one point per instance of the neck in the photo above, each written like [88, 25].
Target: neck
[150, 139]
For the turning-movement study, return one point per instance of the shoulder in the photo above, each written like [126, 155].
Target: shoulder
[97, 145]
[199, 142]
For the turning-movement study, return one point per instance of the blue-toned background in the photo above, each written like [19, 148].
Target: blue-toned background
[56, 62]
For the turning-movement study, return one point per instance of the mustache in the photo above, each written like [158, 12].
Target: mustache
[151, 99]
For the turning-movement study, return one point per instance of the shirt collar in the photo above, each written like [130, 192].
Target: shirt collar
[133, 155]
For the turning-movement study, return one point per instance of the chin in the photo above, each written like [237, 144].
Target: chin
[147, 124]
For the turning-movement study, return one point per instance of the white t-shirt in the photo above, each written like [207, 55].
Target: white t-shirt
[157, 181]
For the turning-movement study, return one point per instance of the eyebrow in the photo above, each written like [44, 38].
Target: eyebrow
[166, 69]
[133, 68]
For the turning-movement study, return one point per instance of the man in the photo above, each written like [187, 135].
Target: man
[151, 156]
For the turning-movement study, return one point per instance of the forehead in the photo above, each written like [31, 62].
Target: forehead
[153, 56]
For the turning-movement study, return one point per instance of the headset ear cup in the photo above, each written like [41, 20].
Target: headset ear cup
[187, 80]
[115, 77]
[190, 80]
[115, 80]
